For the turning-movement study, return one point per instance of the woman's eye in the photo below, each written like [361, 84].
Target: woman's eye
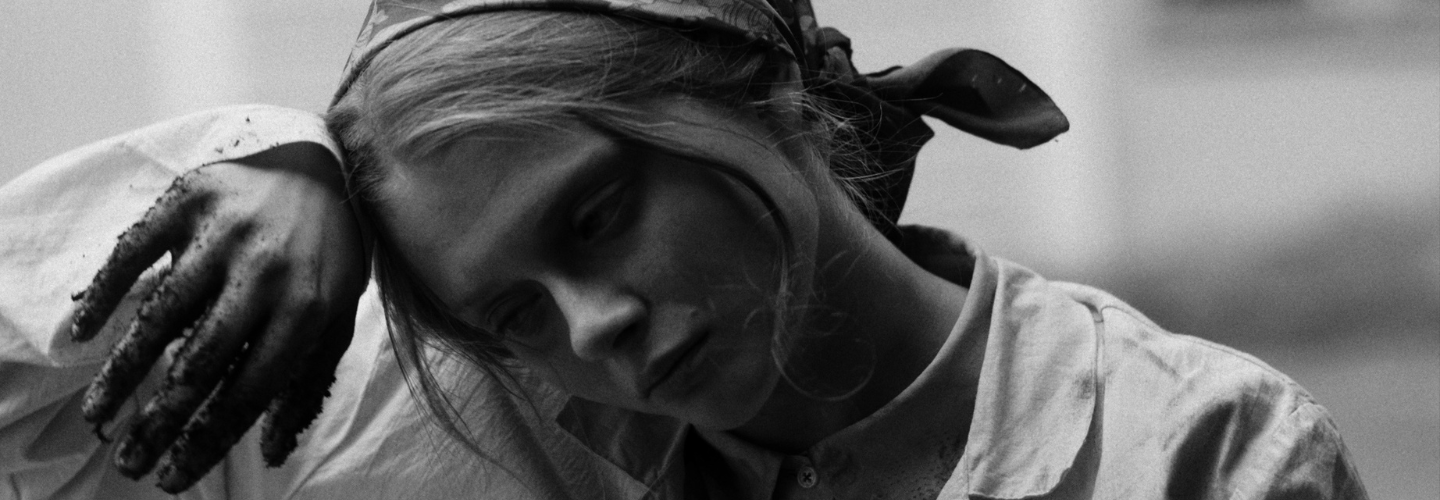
[516, 317]
[601, 212]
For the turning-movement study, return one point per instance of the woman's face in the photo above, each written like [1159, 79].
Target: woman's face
[618, 272]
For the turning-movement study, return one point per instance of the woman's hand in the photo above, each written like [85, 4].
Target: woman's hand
[267, 266]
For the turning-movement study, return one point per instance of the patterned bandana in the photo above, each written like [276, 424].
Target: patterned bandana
[388, 20]
[967, 89]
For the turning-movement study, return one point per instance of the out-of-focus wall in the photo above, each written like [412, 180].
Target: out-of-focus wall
[1292, 149]
[1262, 173]
[74, 71]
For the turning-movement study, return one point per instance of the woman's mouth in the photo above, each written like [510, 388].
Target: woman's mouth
[669, 363]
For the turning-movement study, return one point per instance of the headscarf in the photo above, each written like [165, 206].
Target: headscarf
[967, 89]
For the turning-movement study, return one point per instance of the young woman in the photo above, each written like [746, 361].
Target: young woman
[671, 227]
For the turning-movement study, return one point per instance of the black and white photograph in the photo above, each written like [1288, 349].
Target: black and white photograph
[720, 249]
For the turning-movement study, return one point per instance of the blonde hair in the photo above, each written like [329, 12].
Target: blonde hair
[535, 68]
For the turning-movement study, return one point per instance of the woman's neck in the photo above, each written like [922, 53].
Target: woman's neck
[875, 297]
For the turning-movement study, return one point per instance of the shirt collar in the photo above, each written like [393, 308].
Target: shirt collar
[1031, 409]
[649, 448]
[1037, 388]
[1038, 383]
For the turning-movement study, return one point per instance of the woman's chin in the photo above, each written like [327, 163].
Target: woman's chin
[731, 406]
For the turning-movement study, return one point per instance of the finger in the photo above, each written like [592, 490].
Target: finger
[163, 316]
[265, 365]
[305, 395]
[138, 247]
[198, 367]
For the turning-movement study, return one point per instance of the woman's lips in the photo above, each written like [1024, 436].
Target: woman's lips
[668, 363]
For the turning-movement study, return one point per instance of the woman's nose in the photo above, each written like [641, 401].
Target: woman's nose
[601, 317]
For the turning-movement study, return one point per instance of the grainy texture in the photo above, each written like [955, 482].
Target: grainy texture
[132, 356]
[207, 438]
[292, 412]
[268, 361]
[173, 306]
[200, 364]
[137, 248]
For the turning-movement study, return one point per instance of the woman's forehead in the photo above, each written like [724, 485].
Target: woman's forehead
[487, 176]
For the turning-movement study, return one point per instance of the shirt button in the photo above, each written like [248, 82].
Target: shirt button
[807, 477]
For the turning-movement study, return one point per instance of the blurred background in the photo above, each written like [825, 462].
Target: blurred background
[1263, 173]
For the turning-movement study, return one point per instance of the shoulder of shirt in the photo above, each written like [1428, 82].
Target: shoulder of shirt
[1230, 371]
[1229, 412]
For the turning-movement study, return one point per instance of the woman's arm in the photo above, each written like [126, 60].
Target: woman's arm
[295, 280]
[265, 271]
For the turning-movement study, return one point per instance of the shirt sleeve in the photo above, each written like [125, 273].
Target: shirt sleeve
[58, 222]
[1303, 457]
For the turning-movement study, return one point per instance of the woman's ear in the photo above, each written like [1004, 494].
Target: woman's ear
[785, 113]
[785, 97]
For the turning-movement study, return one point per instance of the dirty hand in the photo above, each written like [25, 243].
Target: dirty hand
[267, 266]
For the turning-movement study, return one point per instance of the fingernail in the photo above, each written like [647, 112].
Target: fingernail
[172, 479]
[77, 324]
[130, 458]
[100, 433]
[93, 404]
[89, 404]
